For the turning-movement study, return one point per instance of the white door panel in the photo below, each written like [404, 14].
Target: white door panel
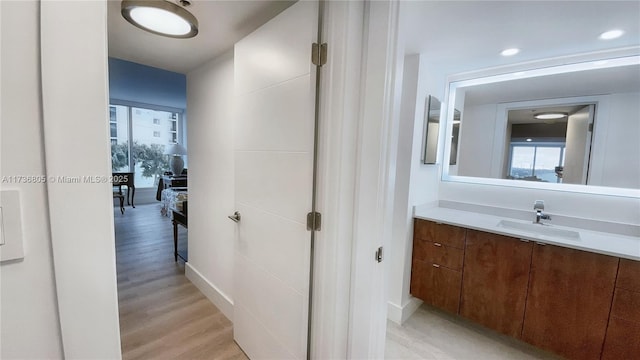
[278, 51]
[259, 341]
[265, 124]
[274, 143]
[284, 234]
[275, 182]
[275, 305]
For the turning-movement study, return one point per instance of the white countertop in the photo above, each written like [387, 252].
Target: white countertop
[599, 242]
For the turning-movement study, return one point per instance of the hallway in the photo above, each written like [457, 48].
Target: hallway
[162, 314]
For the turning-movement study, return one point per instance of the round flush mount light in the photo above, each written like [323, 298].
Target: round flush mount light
[611, 34]
[509, 52]
[550, 116]
[160, 17]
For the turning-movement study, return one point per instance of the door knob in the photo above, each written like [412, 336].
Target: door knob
[235, 217]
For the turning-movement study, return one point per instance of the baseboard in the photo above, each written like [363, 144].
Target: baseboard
[217, 297]
[400, 314]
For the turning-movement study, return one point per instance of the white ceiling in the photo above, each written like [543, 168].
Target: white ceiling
[456, 36]
[459, 36]
[221, 24]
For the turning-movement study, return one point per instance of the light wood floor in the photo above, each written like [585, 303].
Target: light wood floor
[432, 334]
[162, 314]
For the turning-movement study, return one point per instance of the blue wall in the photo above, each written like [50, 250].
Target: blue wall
[148, 85]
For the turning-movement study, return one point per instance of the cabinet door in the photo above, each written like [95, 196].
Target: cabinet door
[436, 285]
[623, 333]
[569, 301]
[494, 281]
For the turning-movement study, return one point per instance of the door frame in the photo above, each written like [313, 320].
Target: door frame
[80, 214]
[361, 87]
[358, 143]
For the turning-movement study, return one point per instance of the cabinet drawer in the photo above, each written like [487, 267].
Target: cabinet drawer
[440, 233]
[626, 305]
[623, 340]
[629, 275]
[436, 285]
[436, 253]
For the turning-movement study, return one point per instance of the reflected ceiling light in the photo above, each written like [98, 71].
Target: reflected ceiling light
[529, 139]
[611, 34]
[550, 115]
[510, 52]
[161, 17]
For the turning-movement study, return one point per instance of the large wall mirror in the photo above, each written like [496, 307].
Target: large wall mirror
[556, 126]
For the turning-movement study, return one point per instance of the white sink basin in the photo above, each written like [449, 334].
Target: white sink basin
[539, 229]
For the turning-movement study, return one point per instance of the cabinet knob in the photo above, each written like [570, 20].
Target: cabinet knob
[436, 265]
[437, 244]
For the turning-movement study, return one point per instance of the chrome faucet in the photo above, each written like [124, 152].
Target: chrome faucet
[538, 206]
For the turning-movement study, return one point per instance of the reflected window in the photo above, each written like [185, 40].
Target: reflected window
[536, 161]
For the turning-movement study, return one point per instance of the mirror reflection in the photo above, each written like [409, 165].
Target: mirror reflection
[432, 131]
[567, 127]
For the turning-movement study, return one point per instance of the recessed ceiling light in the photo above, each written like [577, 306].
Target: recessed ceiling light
[160, 18]
[510, 52]
[550, 115]
[529, 140]
[611, 34]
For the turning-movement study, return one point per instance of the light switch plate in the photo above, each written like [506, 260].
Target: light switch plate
[11, 217]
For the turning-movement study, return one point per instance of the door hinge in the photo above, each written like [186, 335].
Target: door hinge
[319, 54]
[379, 254]
[314, 221]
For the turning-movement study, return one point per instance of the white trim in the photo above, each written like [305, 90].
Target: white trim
[399, 314]
[81, 215]
[339, 95]
[215, 295]
[375, 179]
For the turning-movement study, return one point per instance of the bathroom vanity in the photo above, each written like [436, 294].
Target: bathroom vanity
[570, 291]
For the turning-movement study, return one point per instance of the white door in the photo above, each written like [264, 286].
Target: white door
[274, 142]
[578, 146]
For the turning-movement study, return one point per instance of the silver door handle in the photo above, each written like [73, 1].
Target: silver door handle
[235, 217]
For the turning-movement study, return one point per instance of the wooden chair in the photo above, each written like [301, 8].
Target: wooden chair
[119, 195]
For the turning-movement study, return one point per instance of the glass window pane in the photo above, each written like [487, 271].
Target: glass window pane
[522, 162]
[547, 158]
[149, 142]
[119, 127]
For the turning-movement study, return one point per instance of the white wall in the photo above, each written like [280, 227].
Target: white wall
[211, 180]
[620, 164]
[476, 142]
[416, 183]
[29, 324]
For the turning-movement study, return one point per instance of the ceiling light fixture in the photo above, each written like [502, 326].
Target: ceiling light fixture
[161, 17]
[550, 115]
[611, 34]
[510, 52]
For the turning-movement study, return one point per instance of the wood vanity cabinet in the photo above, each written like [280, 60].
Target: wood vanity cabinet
[436, 273]
[494, 282]
[569, 300]
[623, 332]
